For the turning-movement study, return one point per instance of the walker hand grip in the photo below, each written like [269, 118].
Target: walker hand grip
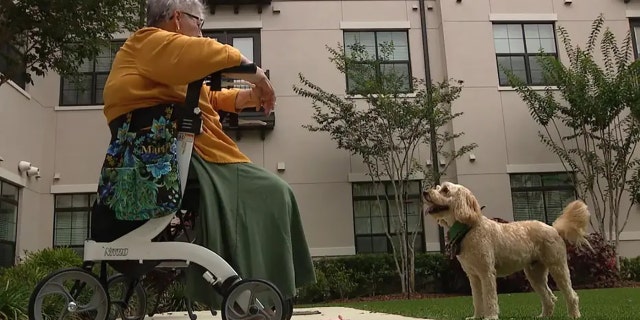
[216, 77]
[191, 122]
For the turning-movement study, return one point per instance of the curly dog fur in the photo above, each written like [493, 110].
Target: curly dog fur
[491, 249]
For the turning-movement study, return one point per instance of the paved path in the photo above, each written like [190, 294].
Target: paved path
[326, 313]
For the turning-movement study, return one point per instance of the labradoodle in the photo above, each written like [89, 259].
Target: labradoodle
[487, 249]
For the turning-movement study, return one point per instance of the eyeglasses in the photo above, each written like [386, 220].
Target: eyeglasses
[200, 20]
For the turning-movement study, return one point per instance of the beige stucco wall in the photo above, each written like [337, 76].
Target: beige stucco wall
[72, 142]
[26, 126]
[495, 117]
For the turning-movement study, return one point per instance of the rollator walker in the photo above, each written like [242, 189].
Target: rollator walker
[84, 294]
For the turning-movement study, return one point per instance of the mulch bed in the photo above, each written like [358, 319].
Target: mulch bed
[398, 296]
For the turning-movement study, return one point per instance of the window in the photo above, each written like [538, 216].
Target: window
[541, 196]
[397, 61]
[8, 223]
[17, 75]
[371, 220]
[635, 36]
[518, 48]
[87, 90]
[247, 41]
[72, 220]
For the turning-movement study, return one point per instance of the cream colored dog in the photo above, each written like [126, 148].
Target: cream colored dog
[490, 249]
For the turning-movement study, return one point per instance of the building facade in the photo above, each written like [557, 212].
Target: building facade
[60, 129]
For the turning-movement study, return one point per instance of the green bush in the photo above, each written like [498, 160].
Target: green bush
[13, 300]
[375, 274]
[371, 274]
[17, 282]
[630, 269]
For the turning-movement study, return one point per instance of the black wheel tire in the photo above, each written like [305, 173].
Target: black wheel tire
[138, 290]
[288, 308]
[243, 282]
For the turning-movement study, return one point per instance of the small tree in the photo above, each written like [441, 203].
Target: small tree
[386, 133]
[589, 122]
[41, 35]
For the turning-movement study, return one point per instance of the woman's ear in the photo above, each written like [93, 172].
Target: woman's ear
[466, 208]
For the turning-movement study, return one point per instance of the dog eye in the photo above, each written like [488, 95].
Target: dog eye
[445, 190]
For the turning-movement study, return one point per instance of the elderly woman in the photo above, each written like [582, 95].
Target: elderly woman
[247, 214]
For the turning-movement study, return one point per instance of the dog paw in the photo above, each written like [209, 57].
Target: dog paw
[491, 318]
[472, 318]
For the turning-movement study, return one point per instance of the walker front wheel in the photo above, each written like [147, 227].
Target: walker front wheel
[69, 294]
[254, 300]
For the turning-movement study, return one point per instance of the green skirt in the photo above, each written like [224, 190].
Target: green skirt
[248, 216]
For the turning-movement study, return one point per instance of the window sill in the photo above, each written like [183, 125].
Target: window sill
[19, 89]
[535, 88]
[76, 108]
[401, 95]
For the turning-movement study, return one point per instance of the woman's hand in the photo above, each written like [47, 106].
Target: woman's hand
[266, 95]
[261, 94]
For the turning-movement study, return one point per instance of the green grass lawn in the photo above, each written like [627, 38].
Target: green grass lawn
[618, 303]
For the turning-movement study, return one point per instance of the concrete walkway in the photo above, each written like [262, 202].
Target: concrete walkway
[326, 313]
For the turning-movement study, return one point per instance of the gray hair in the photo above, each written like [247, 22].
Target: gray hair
[159, 11]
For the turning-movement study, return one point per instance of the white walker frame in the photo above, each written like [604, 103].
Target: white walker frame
[137, 245]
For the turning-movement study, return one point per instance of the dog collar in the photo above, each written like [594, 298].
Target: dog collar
[456, 233]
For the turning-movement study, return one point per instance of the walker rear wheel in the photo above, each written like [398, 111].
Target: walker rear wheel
[69, 294]
[253, 300]
[132, 308]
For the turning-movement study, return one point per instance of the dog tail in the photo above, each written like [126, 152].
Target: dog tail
[573, 222]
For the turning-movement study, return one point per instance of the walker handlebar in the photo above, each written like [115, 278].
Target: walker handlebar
[191, 121]
[216, 77]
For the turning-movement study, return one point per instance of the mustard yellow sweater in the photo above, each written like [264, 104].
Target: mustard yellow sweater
[155, 66]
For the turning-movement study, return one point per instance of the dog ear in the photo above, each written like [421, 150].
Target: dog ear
[466, 208]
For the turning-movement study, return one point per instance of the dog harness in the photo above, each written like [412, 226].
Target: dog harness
[456, 233]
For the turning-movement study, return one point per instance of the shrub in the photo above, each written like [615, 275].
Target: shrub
[630, 269]
[372, 274]
[17, 282]
[597, 269]
[432, 273]
[316, 292]
[13, 300]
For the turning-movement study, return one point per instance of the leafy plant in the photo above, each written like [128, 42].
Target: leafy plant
[594, 269]
[385, 128]
[17, 282]
[60, 35]
[14, 298]
[591, 121]
[630, 268]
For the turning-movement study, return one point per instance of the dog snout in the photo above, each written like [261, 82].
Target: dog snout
[425, 195]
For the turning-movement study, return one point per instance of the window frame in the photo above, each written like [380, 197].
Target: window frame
[421, 236]
[90, 198]
[526, 54]
[375, 32]
[91, 85]
[239, 33]
[634, 22]
[542, 188]
[16, 203]
[20, 81]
